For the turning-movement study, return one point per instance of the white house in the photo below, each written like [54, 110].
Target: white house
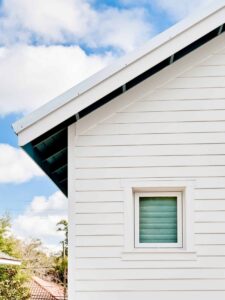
[139, 148]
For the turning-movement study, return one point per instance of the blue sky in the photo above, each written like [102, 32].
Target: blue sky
[47, 47]
[14, 197]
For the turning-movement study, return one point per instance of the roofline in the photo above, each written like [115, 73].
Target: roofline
[8, 261]
[122, 64]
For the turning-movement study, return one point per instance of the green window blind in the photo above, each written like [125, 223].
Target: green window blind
[158, 219]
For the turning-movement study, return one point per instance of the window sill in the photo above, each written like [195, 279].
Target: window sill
[166, 254]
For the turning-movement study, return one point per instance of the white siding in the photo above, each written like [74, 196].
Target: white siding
[176, 131]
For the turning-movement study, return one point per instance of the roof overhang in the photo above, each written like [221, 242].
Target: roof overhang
[8, 260]
[43, 133]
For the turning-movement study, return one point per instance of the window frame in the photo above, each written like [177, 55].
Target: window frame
[179, 196]
[187, 187]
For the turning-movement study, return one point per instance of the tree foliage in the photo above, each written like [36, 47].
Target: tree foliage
[13, 279]
[13, 284]
[63, 226]
[61, 261]
[38, 263]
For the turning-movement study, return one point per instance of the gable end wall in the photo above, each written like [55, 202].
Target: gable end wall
[171, 126]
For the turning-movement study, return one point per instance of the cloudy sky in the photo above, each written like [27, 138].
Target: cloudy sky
[47, 47]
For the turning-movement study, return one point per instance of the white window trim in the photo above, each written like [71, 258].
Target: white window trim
[187, 251]
[179, 243]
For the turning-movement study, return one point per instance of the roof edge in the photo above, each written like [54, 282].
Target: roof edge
[111, 70]
[9, 260]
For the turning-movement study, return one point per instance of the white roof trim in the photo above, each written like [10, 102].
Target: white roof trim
[125, 69]
[10, 262]
[5, 259]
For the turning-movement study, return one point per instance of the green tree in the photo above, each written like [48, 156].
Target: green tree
[13, 284]
[60, 272]
[13, 279]
[63, 226]
[38, 263]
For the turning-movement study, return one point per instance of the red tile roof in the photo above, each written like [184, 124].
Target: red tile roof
[45, 290]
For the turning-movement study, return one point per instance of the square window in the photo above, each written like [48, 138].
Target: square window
[158, 219]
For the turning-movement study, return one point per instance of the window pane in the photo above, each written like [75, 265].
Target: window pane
[158, 220]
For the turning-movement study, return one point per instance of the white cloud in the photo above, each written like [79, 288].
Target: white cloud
[40, 218]
[40, 205]
[72, 21]
[49, 20]
[179, 9]
[124, 29]
[16, 166]
[174, 8]
[30, 76]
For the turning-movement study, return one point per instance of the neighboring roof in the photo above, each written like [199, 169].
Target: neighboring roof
[43, 133]
[5, 259]
[42, 289]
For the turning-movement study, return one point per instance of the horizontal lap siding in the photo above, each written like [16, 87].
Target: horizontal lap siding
[175, 295]
[215, 60]
[151, 172]
[117, 229]
[203, 262]
[99, 218]
[147, 274]
[118, 241]
[115, 252]
[151, 128]
[151, 285]
[175, 133]
[206, 71]
[168, 116]
[201, 82]
[149, 161]
[162, 139]
[177, 105]
[153, 150]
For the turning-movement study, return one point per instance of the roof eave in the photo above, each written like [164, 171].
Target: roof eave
[102, 83]
[10, 262]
